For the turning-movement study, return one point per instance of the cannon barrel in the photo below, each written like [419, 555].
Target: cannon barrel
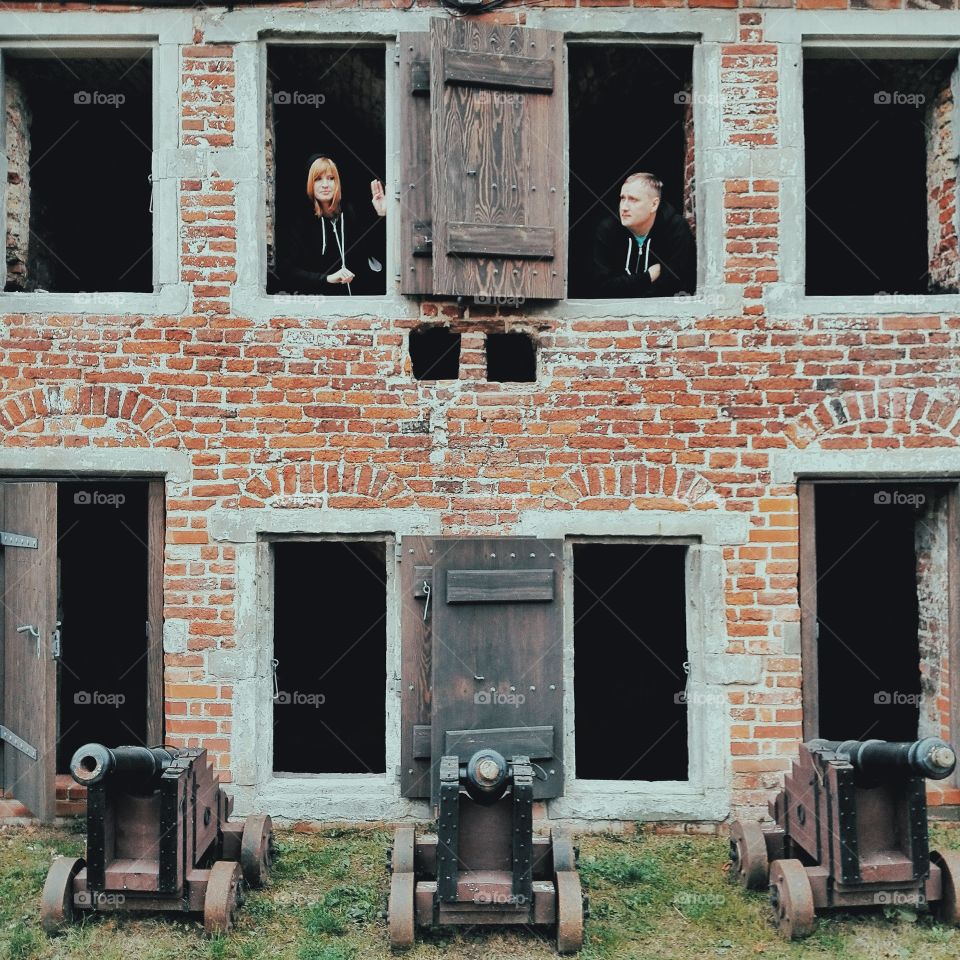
[930, 757]
[93, 762]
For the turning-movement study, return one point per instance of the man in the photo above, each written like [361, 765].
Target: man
[650, 252]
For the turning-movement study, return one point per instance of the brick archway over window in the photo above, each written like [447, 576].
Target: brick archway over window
[333, 485]
[639, 485]
[86, 417]
[888, 419]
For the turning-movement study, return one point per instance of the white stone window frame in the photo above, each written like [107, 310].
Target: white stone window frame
[377, 797]
[117, 34]
[706, 794]
[256, 786]
[251, 32]
[849, 33]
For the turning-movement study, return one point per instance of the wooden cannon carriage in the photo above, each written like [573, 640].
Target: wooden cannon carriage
[158, 838]
[850, 831]
[482, 738]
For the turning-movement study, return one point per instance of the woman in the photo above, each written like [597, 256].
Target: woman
[342, 253]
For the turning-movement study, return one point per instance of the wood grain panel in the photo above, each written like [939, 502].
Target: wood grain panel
[497, 149]
[416, 215]
[415, 665]
[30, 680]
[497, 665]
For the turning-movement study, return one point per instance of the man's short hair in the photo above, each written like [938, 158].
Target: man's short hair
[654, 185]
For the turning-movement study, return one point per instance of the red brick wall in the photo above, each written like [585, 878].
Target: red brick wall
[628, 413]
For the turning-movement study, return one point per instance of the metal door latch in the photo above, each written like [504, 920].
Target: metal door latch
[33, 632]
[276, 682]
[55, 645]
[426, 605]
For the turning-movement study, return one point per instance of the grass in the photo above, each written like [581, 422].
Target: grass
[651, 897]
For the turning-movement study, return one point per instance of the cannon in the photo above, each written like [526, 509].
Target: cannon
[158, 838]
[482, 738]
[850, 830]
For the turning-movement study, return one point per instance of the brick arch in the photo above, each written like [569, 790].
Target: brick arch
[885, 419]
[335, 485]
[103, 416]
[641, 485]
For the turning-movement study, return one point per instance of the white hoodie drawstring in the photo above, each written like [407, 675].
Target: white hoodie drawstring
[341, 241]
[646, 257]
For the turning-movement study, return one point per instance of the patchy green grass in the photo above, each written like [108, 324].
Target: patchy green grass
[651, 897]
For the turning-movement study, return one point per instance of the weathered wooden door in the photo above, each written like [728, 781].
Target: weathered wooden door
[493, 650]
[29, 706]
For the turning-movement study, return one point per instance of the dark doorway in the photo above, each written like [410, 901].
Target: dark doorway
[325, 101]
[330, 636]
[629, 112]
[87, 124]
[630, 645]
[865, 149]
[103, 561]
[868, 608]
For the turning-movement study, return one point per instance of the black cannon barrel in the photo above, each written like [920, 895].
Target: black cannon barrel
[930, 757]
[93, 762]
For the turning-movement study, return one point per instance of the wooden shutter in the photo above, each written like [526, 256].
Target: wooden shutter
[497, 653]
[416, 230]
[30, 671]
[498, 135]
[416, 561]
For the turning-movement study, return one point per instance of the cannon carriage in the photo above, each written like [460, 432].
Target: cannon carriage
[158, 838]
[850, 830]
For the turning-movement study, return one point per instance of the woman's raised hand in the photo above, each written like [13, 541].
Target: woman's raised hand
[378, 197]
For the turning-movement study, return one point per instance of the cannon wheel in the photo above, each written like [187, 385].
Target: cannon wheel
[56, 901]
[569, 911]
[402, 886]
[748, 855]
[792, 899]
[948, 909]
[564, 855]
[223, 897]
[256, 849]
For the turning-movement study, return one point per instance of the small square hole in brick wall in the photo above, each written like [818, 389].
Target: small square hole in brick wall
[325, 101]
[79, 138]
[511, 358]
[604, 150]
[330, 636]
[630, 644]
[435, 354]
[880, 176]
[880, 595]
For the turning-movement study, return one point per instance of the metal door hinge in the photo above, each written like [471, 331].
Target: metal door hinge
[17, 743]
[8, 539]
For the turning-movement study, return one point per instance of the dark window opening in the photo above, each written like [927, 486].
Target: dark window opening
[880, 582]
[79, 136]
[879, 173]
[604, 150]
[330, 636]
[102, 588]
[435, 354]
[511, 358]
[325, 102]
[630, 644]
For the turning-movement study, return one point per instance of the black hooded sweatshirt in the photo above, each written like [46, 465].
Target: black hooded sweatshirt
[620, 265]
[360, 236]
